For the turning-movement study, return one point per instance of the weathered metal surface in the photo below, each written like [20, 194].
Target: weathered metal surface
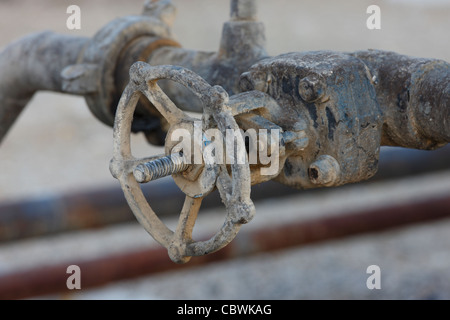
[147, 118]
[243, 43]
[104, 51]
[243, 10]
[95, 209]
[329, 96]
[162, 10]
[51, 279]
[414, 94]
[159, 168]
[324, 104]
[81, 66]
[31, 64]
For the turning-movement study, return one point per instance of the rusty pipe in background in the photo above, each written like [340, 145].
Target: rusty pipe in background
[31, 64]
[100, 208]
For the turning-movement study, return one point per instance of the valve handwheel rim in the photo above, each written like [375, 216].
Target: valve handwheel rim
[234, 190]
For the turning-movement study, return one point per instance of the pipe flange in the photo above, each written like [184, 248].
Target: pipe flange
[93, 76]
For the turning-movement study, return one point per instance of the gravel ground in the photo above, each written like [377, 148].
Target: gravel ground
[57, 146]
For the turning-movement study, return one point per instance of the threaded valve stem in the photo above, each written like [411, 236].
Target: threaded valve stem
[160, 168]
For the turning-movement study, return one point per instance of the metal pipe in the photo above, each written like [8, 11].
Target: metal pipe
[31, 64]
[414, 94]
[52, 279]
[92, 209]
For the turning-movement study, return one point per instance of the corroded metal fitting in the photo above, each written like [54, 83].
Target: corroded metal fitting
[329, 98]
[95, 75]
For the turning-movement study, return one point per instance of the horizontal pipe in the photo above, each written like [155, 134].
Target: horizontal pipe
[52, 279]
[31, 64]
[414, 94]
[93, 209]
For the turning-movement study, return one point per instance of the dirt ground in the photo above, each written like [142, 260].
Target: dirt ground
[57, 146]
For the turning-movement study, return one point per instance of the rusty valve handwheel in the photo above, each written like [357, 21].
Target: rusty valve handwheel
[195, 180]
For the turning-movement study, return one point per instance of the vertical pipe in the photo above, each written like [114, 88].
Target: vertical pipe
[243, 10]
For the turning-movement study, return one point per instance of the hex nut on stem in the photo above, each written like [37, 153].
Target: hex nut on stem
[141, 174]
[325, 171]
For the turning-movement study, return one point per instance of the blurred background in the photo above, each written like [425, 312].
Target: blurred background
[56, 159]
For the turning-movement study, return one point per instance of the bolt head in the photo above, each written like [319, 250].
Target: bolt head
[311, 88]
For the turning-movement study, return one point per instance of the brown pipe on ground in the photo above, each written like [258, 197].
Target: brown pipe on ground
[52, 279]
[93, 209]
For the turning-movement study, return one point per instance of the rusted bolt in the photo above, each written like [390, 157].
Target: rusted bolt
[324, 171]
[160, 168]
[311, 88]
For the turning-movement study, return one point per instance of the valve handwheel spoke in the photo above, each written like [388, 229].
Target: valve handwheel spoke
[234, 187]
[183, 232]
[164, 105]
